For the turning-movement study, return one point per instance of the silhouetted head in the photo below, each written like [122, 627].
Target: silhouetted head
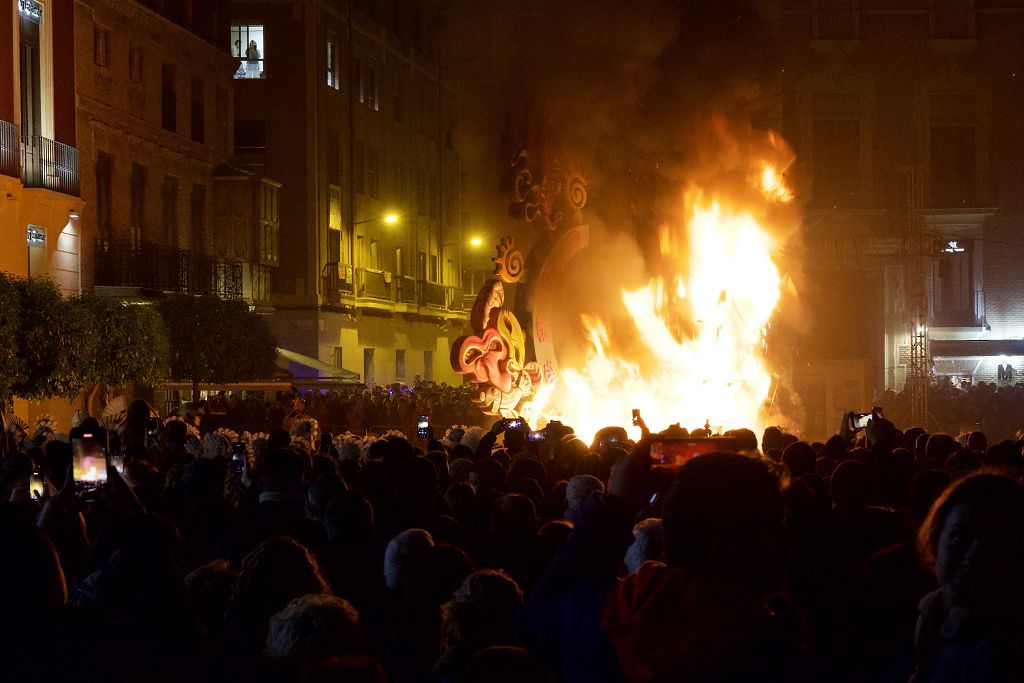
[723, 516]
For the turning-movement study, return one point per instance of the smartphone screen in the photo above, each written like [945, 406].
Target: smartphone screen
[422, 425]
[860, 420]
[636, 416]
[36, 485]
[88, 460]
[515, 423]
[671, 454]
[537, 435]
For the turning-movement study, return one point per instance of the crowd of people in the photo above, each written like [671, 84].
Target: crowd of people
[360, 411]
[996, 409]
[496, 555]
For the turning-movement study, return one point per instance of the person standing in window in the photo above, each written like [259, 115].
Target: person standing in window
[252, 60]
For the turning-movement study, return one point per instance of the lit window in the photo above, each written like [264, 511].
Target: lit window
[247, 46]
[332, 65]
[31, 9]
[36, 235]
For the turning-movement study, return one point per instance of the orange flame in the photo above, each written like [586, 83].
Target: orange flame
[699, 353]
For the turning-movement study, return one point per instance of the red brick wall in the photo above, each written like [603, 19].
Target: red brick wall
[6, 59]
[63, 15]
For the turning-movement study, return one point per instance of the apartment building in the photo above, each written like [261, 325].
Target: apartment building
[870, 93]
[166, 209]
[40, 204]
[348, 105]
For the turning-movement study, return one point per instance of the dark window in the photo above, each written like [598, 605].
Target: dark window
[199, 218]
[333, 157]
[100, 45]
[198, 117]
[421, 192]
[373, 172]
[359, 167]
[836, 162]
[333, 246]
[953, 294]
[30, 64]
[104, 183]
[428, 366]
[168, 99]
[399, 364]
[952, 172]
[357, 73]
[170, 222]
[138, 202]
[134, 63]
[250, 136]
[371, 89]
[368, 370]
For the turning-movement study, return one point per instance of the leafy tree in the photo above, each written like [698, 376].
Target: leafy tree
[56, 342]
[132, 343]
[10, 323]
[213, 340]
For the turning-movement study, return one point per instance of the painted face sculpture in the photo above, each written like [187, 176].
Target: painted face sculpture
[484, 359]
[493, 357]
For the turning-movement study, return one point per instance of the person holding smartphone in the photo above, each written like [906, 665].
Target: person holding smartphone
[725, 554]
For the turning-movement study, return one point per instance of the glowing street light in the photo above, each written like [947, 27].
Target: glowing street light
[389, 218]
[475, 242]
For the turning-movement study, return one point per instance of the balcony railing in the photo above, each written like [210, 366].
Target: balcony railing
[373, 284]
[433, 294]
[125, 263]
[214, 277]
[337, 279]
[405, 290]
[455, 301]
[49, 164]
[379, 285]
[10, 155]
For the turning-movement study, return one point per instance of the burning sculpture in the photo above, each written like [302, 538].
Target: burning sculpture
[693, 344]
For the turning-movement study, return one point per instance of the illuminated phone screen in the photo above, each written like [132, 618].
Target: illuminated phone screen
[671, 454]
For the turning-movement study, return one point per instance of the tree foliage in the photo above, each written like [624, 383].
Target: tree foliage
[56, 342]
[213, 340]
[10, 324]
[132, 342]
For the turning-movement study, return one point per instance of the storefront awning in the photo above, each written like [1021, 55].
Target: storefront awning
[324, 371]
[976, 348]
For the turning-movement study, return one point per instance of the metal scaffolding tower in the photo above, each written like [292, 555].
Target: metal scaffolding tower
[919, 369]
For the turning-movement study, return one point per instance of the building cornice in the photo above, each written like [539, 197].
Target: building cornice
[156, 22]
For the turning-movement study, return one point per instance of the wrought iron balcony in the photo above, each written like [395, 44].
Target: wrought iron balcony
[337, 280]
[405, 290]
[433, 294]
[373, 284]
[126, 263]
[49, 164]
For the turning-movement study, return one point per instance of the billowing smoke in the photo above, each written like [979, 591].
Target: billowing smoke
[650, 98]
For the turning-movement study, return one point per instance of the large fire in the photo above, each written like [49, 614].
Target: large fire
[693, 350]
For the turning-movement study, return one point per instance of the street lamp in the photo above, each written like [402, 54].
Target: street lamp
[475, 242]
[389, 218]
